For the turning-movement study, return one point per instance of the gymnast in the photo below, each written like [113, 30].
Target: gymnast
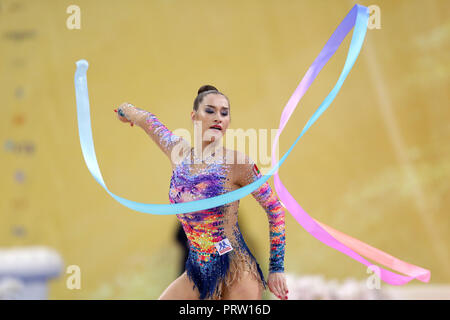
[219, 266]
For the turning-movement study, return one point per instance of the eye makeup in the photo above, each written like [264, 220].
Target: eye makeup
[209, 110]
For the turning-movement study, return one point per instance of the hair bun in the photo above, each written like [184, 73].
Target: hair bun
[207, 87]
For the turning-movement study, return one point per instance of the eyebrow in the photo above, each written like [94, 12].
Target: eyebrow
[208, 105]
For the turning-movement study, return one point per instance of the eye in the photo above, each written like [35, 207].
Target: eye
[209, 111]
[225, 113]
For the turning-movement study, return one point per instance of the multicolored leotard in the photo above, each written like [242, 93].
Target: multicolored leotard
[210, 269]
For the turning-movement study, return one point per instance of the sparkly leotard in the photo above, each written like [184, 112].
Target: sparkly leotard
[210, 271]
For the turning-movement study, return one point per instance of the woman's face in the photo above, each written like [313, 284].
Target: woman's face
[213, 111]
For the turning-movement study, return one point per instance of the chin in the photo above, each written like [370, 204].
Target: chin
[213, 132]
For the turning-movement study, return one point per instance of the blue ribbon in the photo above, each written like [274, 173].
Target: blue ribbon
[87, 144]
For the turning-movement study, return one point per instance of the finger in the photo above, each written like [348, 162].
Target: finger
[273, 289]
[285, 289]
[281, 289]
[277, 290]
[286, 286]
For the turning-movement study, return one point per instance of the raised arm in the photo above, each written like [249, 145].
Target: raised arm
[159, 133]
[247, 173]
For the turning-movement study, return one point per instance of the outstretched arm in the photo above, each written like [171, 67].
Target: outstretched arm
[248, 173]
[159, 133]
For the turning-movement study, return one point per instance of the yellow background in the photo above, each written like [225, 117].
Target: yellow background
[376, 165]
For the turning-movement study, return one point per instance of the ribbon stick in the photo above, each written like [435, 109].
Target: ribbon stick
[357, 17]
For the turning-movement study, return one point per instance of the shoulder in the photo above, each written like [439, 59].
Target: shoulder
[244, 169]
[238, 159]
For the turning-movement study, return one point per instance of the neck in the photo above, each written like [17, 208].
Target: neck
[208, 149]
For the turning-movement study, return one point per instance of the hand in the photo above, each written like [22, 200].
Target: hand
[122, 111]
[277, 284]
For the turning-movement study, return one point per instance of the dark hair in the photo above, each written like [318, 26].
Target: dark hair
[203, 91]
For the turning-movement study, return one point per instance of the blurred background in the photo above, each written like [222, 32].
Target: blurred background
[376, 165]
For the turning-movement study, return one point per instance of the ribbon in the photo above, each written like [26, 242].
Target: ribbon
[88, 150]
[358, 17]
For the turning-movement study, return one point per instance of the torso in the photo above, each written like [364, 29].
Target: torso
[205, 228]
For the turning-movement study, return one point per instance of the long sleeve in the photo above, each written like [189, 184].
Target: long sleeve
[248, 173]
[160, 134]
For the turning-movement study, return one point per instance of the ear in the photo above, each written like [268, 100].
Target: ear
[194, 115]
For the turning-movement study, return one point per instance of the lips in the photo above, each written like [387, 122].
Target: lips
[216, 127]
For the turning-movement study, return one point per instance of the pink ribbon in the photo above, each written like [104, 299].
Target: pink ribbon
[357, 17]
